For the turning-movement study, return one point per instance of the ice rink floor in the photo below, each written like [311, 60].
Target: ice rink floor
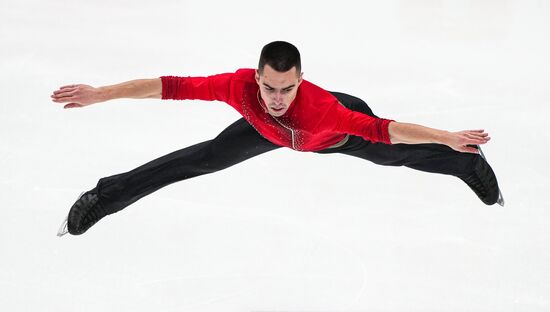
[286, 231]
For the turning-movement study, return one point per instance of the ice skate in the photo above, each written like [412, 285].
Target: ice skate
[484, 182]
[84, 213]
[63, 228]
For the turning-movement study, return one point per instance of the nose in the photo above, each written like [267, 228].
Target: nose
[278, 97]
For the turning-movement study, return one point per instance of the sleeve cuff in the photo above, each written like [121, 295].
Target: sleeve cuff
[383, 131]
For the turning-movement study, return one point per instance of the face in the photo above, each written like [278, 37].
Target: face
[277, 89]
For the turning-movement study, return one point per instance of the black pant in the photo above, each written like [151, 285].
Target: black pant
[240, 141]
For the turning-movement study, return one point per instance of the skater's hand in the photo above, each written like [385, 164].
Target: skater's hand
[416, 134]
[78, 95]
[462, 141]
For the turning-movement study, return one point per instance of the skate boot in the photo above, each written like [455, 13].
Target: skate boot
[484, 182]
[84, 213]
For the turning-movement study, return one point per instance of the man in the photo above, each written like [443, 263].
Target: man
[279, 108]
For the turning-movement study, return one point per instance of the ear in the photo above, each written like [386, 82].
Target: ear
[300, 78]
[257, 77]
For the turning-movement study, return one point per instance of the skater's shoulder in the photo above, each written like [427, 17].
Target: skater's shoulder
[314, 92]
[245, 74]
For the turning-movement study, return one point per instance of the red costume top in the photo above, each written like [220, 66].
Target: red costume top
[315, 120]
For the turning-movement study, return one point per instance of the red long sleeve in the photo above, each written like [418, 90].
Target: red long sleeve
[212, 88]
[359, 124]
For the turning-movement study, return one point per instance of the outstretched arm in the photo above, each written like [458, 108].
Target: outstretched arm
[416, 134]
[80, 95]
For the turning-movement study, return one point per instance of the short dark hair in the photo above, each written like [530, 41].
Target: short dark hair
[281, 56]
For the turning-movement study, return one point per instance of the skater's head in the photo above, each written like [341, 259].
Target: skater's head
[279, 75]
[280, 56]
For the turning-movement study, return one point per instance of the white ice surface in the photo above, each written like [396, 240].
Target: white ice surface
[286, 231]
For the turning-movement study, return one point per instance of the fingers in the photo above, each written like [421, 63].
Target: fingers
[63, 91]
[478, 134]
[65, 98]
[72, 105]
[74, 96]
[69, 86]
[465, 141]
[475, 142]
[468, 149]
[474, 137]
[475, 132]
[64, 94]
[66, 88]
[477, 139]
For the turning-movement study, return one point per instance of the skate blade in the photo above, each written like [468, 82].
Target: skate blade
[500, 199]
[63, 229]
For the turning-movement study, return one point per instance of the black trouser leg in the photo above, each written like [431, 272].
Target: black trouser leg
[236, 143]
[435, 158]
